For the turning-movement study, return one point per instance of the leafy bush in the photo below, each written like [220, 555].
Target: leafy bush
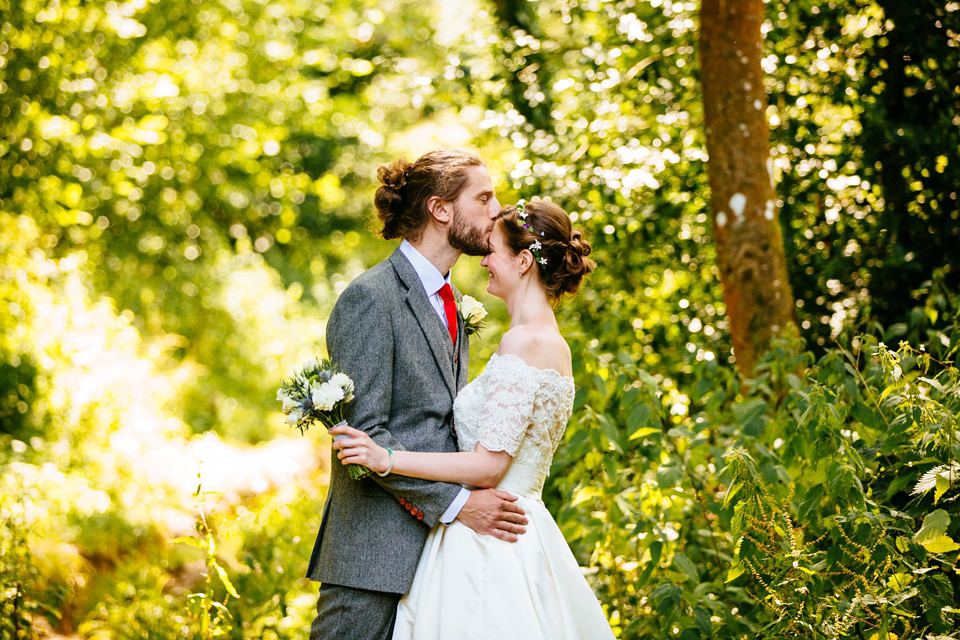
[814, 500]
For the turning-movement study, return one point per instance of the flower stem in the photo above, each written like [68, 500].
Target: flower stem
[356, 471]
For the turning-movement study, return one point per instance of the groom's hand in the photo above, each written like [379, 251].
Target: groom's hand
[494, 513]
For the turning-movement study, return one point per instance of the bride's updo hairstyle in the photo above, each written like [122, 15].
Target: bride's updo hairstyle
[405, 188]
[562, 247]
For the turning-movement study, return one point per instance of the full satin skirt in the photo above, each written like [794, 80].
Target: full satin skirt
[475, 587]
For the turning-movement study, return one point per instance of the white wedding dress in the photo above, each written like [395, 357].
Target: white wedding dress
[476, 587]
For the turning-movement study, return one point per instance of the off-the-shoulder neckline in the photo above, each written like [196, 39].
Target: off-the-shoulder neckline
[530, 366]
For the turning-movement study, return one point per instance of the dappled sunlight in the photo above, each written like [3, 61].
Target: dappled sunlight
[187, 186]
[169, 472]
[273, 323]
[119, 472]
[103, 375]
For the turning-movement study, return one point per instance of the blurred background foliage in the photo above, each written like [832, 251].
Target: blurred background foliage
[186, 186]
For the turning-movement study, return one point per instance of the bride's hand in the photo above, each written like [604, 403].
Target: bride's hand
[359, 448]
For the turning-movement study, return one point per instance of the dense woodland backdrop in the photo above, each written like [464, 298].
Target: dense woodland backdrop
[185, 186]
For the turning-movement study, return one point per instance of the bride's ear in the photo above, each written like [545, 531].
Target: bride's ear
[526, 261]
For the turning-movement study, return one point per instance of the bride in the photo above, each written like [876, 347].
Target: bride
[508, 421]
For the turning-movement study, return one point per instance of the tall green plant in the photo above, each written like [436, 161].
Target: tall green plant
[211, 614]
[21, 597]
[816, 500]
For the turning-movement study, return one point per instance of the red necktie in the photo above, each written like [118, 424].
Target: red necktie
[450, 309]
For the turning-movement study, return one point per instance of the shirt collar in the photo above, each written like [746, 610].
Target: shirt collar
[429, 275]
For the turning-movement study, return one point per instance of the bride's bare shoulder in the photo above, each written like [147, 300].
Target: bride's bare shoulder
[539, 347]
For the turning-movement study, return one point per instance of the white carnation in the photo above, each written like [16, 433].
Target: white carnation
[289, 404]
[294, 417]
[471, 309]
[343, 381]
[325, 396]
[336, 392]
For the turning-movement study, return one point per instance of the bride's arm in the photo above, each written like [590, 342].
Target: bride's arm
[480, 468]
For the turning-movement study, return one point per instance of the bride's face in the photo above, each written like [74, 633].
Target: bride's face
[504, 267]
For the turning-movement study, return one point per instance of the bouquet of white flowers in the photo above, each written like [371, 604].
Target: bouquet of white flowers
[319, 393]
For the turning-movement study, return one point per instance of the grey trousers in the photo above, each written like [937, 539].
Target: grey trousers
[344, 613]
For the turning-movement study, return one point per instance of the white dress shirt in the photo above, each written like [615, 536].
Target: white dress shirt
[433, 281]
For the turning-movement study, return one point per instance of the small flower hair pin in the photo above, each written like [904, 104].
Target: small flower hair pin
[536, 246]
[535, 250]
[521, 203]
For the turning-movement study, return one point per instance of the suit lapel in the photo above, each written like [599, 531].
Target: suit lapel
[436, 334]
[462, 347]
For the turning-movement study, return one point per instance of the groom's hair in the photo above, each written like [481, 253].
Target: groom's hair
[405, 188]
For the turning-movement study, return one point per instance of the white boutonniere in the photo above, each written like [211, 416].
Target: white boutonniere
[473, 314]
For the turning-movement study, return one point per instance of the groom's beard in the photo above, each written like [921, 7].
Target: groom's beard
[466, 239]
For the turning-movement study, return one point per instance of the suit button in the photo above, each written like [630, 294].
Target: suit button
[409, 507]
[420, 515]
[402, 501]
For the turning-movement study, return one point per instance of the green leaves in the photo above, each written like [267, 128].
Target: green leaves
[225, 579]
[811, 503]
[941, 544]
[686, 567]
[656, 549]
[940, 478]
[206, 186]
[611, 431]
[704, 624]
[637, 420]
[749, 415]
[934, 526]
[666, 597]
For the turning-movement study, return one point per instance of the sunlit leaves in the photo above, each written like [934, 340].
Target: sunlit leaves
[934, 526]
[622, 153]
[940, 478]
[865, 218]
[156, 139]
[208, 166]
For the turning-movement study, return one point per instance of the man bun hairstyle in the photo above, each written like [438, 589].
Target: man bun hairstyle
[561, 258]
[405, 188]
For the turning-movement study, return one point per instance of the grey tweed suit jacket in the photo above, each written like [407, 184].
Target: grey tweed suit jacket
[386, 336]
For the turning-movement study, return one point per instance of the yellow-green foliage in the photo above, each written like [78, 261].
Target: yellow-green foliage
[185, 187]
[813, 501]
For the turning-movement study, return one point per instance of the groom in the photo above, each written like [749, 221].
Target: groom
[396, 332]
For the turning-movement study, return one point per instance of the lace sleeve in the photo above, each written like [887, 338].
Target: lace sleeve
[507, 408]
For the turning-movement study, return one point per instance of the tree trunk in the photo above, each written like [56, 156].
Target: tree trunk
[753, 269]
